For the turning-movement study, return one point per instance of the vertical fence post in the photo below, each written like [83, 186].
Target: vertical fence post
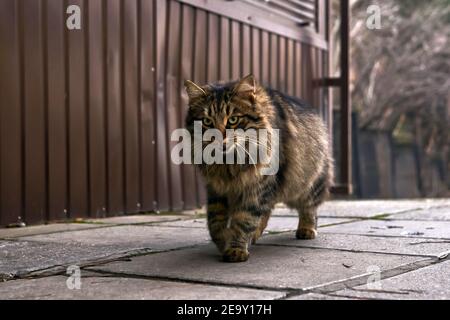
[346, 112]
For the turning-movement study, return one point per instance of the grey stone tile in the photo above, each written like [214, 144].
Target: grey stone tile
[138, 219]
[103, 287]
[433, 214]
[128, 237]
[425, 247]
[281, 224]
[22, 257]
[190, 223]
[276, 223]
[8, 233]
[432, 282]
[371, 208]
[405, 228]
[269, 266]
[78, 247]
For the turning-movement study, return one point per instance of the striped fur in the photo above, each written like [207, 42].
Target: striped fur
[240, 200]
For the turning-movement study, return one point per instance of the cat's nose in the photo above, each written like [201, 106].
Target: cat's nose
[222, 129]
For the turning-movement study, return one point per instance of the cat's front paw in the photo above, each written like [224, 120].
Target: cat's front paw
[306, 234]
[235, 255]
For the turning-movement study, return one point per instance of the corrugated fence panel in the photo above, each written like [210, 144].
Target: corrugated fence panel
[34, 108]
[86, 115]
[256, 50]
[131, 106]
[11, 115]
[115, 161]
[173, 98]
[147, 105]
[57, 125]
[97, 109]
[78, 146]
[190, 193]
[162, 175]
[200, 72]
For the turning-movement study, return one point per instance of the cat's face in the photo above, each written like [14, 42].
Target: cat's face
[239, 105]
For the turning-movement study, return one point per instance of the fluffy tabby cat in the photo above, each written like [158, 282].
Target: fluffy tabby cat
[240, 199]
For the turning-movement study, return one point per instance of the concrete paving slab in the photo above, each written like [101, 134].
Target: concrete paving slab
[404, 228]
[282, 224]
[9, 233]
[128, 237]
[276, 223]
[433, 214]
[138, 219]
[268, 267]
[190, 223]
[371, 208]
[423, 247]
[78, 247]
[18, 258]
[104, 287]
[432, 282]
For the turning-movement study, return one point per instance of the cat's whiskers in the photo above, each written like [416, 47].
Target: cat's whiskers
[251, 158]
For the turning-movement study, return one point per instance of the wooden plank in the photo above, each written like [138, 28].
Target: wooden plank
[307, 73]
[148, 106]
[246, 57]
[56, 89]
[235, 50]
[213, 46]
[10, 114]
[162, 176]
[79, 187]
[131, 107]
[274, 61]
[34, 106]
[290, 68]
[200, 75]
[314, 73]
[281, 66]
[190, 192]
[172, 99]
[298, 77]
[248, 13]
[224, 56]
[97, 104]
[265, 58]
[256, 53]
[114, 114]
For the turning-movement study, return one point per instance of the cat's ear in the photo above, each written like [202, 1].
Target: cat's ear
[193, 90]
[246, 87]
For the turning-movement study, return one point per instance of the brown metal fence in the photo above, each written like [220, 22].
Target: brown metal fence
[86, 115]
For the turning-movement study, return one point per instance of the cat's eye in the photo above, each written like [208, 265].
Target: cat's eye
[207, 121]
[233, 120]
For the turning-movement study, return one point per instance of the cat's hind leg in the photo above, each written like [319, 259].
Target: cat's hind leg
[307, 224]
[307, 209]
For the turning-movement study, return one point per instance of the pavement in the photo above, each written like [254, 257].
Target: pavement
[364, 250]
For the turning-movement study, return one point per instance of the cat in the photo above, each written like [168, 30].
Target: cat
[240, 198]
